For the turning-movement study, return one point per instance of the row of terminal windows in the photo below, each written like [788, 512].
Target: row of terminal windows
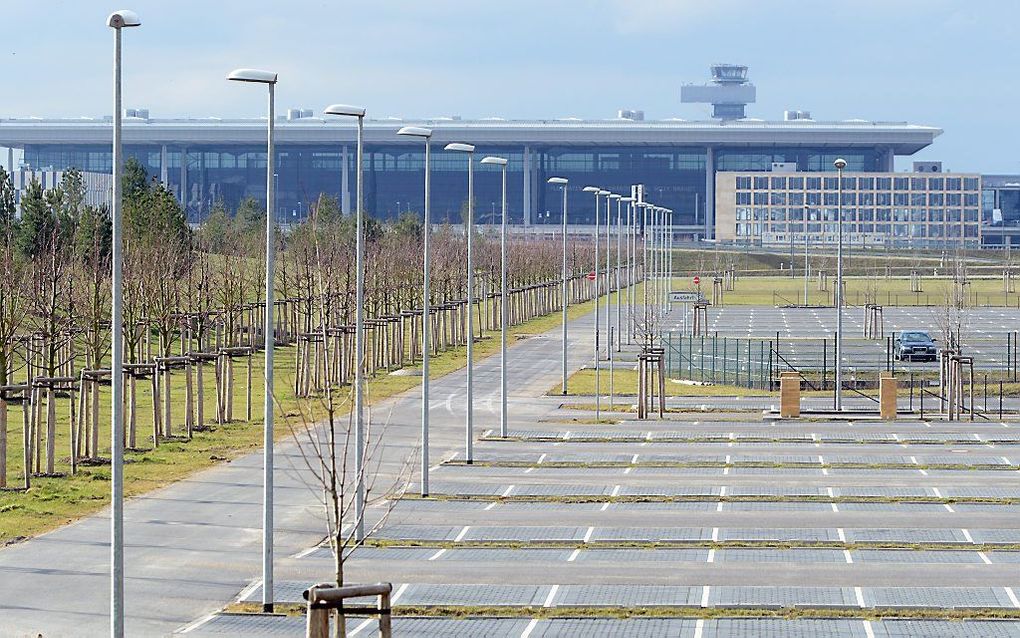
[793, 198]
[745, 182]
[968, 215]
[921, 231]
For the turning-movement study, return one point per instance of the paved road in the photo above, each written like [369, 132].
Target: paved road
[192, 546]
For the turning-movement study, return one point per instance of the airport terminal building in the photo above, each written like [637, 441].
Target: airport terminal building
[208, 160]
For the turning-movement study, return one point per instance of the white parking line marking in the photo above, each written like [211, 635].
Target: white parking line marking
[704, 596]
[530, 628]
[841, 534]
[711, 556]
[462, 534]
[552, 594]
[573, 555]
[984, 558]
[1012, 597]
[587, 535]
[967, 536]
[437, 554]
[859, 593]
[490, 506]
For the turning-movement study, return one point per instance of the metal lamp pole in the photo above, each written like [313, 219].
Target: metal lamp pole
[359, 322]
[503, 299]
[840, 164]
[269, 79]
[562, 181]
[609, 275]
[597, 191]
[117, 21]
[469, 425]
[425, 135]
[619, 267]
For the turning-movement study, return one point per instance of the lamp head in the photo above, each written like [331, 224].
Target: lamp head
[605, 193]
[614, 196]
[415, 131]
[123, 18]
[626, 199]
[457, 146]
[557, 180]
[344, 109]
[840, 163]
[591, 189]
[499, 161]
[252, 75]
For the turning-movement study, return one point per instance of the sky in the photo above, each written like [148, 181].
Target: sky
[949, 64]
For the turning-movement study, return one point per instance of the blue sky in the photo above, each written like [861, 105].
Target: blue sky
[945, 63]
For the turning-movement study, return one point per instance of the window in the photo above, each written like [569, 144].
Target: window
[882, 183]
[761, 197]
[935, 199]
[814, 183]
[917, 199]
[901, 199]
[778, 183]
[796, 183]
[866, 183]
[778, 199]
[761, 182]
[743, 198]
[831, 183]
[970, 183]
[936, 183]
[901, 183]
[743, 181]
[953, 183]
[849, 183]
[918, 183]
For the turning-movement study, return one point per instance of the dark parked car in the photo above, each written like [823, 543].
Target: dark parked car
[914, 345]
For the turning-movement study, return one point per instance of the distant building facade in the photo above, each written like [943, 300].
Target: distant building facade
[922, 210]
[207, 160]
[98, 186]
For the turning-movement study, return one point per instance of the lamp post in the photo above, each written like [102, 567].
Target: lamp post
[358, 112]
[469, 419]
[503, 310]
[425, 135]
[610, 197]
[269, 79]
[117, 21]
[562, 182]
[840, 164]
[631, 263]
[619, 267]
[597, 192]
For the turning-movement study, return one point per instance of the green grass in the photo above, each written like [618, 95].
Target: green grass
[56, 500]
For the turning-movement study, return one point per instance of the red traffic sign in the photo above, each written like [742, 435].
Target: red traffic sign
[697, 281]
[591, 276]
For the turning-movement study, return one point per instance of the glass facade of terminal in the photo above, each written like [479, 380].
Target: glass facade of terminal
[674, 176]
[878, 208]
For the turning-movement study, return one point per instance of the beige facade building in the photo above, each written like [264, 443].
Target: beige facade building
[879, 209]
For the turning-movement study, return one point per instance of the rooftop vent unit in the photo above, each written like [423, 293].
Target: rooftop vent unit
[927, 167]
[297, 114]
[793, 116]
[632, 115]
[729, 92]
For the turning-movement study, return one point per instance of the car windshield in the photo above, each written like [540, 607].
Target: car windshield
[915, 336]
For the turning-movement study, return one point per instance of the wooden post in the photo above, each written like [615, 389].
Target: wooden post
[887, 396]
[789, 395]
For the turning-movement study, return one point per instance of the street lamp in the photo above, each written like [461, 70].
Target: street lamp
[562, 182]
[840, 164]
[595, 297]
[503, 310]
[611, 197]
[269, 79]
[345, 110]
[117, 21]
[469, 232]
[619, 267]
[424, 134]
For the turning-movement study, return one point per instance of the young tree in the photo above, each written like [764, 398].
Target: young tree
[12, 273]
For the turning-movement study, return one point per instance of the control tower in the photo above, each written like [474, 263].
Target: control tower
[728, 93]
